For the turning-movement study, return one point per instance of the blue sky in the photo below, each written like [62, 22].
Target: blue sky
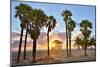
[79, 13]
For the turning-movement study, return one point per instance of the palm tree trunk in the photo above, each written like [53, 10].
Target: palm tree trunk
[85, 50]
[48, 42]
[20, 44]
[66, 42]
[69, 43]
[34, 49]
[24, 56]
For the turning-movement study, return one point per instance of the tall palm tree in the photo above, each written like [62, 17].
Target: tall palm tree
[27, 10]
[51, 23]
[71, 26]
[34, 32]
[67, 15]
[86, 31]
[22, 12]
[38, 19]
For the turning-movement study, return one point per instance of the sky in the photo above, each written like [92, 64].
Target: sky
[79, 13]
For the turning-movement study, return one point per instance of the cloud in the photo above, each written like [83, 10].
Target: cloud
[14, 34]
[78, 34]
[41, 41]
[15, 37]
[62, 36]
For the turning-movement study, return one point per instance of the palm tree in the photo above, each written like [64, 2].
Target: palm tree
[22, 12]
[27, 10]
[71, 26]
[67, 15]
[38, 20]
[34, 32]
[92, 42]
[51, 23]
[85, 29]
[78, 42]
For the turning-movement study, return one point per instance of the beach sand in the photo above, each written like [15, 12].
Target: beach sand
[41, 57]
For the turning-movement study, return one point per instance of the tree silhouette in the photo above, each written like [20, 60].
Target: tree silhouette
[92, 42]
[66, 17]
[38, 20]
[51, 23]
[78, 42]
[71, 26]
[22, 12]
[85, 29]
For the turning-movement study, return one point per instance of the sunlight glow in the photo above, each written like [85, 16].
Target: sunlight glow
[52, 46]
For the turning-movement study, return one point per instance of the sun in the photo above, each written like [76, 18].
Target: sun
[52, 46]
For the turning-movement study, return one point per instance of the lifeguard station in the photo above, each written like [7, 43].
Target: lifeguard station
[56, 49]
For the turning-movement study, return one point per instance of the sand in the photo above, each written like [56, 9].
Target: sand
[41, 57]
